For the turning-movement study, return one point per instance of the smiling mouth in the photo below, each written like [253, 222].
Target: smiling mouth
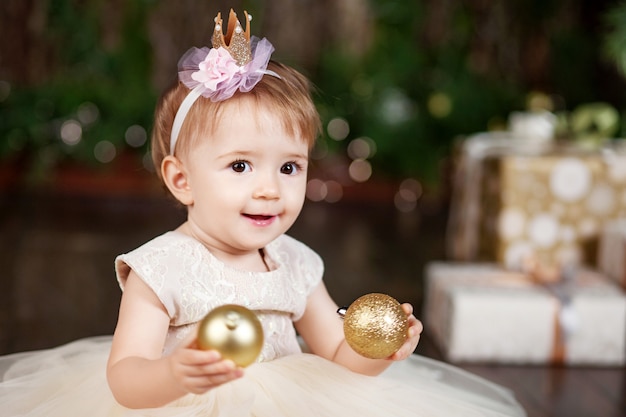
[260, 219]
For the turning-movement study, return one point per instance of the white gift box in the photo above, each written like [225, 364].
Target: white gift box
[484, 313]
[612, 251]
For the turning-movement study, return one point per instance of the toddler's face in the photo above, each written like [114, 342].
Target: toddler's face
[248, 180]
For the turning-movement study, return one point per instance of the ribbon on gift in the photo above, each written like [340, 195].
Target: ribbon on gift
[612, 251]
[565, 324]
[559, 281]
[566, 318]
[462, 233]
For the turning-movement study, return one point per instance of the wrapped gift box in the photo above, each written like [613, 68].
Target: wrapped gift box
[612, 251]
[514, 199]
[483, 313]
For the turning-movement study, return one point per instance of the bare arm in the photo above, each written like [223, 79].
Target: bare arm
[138, 375]
[322, 330]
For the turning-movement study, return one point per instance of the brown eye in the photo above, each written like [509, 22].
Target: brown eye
[240, 166]
[290, 168]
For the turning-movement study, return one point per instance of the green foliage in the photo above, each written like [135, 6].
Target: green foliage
[106, 88]
[615, 36]
[410, 97]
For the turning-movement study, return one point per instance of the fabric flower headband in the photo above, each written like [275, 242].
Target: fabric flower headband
[236, 62]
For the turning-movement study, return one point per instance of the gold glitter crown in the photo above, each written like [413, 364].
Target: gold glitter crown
[236, 41]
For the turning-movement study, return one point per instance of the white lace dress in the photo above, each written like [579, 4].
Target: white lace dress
[70, 380]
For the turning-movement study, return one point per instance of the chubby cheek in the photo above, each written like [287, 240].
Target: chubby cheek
[295, 200]
[219, 200]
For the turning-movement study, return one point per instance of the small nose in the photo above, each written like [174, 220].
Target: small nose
[267, 187]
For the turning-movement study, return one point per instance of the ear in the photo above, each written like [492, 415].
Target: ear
[176, 179]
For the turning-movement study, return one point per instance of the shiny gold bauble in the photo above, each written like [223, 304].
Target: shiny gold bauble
[375, 326]
[234, 331]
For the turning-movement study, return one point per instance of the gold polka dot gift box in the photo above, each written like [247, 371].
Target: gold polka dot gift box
[514, 200]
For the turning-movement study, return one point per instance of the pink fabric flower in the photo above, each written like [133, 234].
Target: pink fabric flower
[215, 73]
[218, 66]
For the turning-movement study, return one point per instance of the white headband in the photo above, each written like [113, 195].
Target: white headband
[217, 73]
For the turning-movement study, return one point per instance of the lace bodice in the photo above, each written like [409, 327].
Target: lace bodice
[190, 281]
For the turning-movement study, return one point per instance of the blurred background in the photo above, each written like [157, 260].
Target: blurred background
[399, 84]
[398, 81]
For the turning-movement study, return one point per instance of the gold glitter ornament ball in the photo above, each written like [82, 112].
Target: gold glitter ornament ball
[234, 331]
[375, 326]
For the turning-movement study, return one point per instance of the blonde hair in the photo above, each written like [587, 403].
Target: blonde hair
[289, 97]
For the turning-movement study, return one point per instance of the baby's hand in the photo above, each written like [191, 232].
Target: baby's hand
[197, 371]
[415, 329]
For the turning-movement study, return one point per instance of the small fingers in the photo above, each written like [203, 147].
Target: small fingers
[203, 383]
[217, 368]
[408, 308]
[200, 377]
[409, 346]
[415, 326]
[406, 350]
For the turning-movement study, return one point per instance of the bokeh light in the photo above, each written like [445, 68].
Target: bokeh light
[71, 132]
[338, 128]
[538, 101]
[409, 192]
[104, 151]
[136, 136]
[360, 170]
[439, 105]
[361, 148]
[316, 190]
[413, 185]
[396, 107]
[88, 113]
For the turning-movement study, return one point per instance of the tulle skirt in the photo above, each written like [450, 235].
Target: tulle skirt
[70, 381]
